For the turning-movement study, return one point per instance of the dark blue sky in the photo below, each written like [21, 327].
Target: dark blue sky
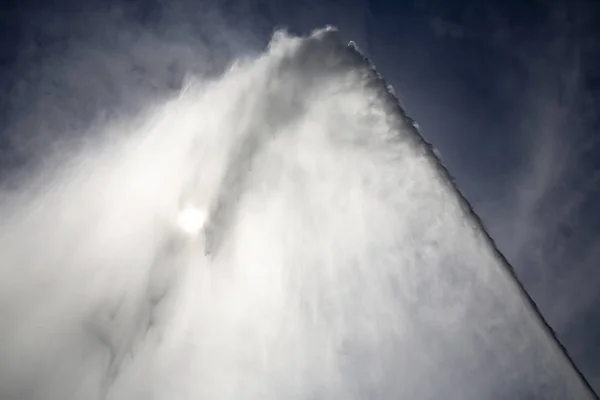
[506, 91]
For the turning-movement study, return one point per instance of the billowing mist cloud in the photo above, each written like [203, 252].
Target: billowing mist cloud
[110, 61]
[342, 262]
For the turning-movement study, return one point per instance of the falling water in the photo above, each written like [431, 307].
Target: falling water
[281, 232]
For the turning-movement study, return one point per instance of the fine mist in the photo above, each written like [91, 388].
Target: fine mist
[333, 258]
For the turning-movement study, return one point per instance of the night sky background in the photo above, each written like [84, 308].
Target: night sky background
[506, 91]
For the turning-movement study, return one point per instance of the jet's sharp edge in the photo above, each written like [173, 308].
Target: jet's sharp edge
[395, 106]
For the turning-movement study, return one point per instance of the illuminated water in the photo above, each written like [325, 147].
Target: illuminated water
[280, 233]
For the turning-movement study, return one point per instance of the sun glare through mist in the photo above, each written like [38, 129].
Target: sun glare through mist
[191, 220]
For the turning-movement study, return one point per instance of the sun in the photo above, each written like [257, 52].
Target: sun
[191, 220]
